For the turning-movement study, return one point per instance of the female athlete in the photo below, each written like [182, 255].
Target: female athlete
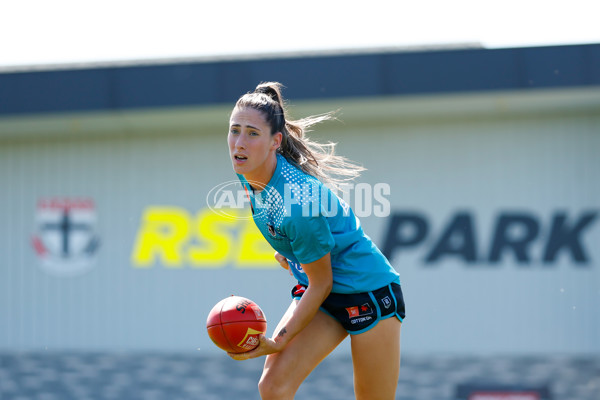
[345, 284]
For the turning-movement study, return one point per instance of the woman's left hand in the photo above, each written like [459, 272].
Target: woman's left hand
[265, 347]
[283, 261]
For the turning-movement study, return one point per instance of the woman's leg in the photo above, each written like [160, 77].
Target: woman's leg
[376, 361]
[285, 371]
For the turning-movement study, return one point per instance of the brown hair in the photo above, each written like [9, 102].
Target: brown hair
[316, 159]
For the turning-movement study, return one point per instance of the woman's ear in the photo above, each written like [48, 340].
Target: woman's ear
[277, 138]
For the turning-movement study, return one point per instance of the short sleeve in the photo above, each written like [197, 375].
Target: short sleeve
[310, 237]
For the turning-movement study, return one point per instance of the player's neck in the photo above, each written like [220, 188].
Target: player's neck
[261, 176]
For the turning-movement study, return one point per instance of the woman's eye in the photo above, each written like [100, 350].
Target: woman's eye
[234, 131]
[253, 133]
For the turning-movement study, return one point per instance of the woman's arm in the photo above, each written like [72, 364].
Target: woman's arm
[320, 281]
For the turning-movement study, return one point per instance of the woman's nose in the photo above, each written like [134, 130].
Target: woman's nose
[240, 142]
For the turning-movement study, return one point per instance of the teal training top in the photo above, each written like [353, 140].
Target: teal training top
[304, 220]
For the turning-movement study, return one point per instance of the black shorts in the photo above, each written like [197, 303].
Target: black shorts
[359, 312]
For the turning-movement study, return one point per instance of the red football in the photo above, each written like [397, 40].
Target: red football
[235, 323]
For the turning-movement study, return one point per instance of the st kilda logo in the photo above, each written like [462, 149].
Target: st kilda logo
[66, 239]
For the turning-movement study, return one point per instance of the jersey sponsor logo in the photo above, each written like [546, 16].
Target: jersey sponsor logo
[516, 236]
[66, 241]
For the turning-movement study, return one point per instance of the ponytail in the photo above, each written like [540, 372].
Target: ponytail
[316, 159]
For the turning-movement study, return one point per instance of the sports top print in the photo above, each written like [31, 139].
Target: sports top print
[304, 220]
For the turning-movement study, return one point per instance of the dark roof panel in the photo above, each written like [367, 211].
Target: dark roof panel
[309, 77]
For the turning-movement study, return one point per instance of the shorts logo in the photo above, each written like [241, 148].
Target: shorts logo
[359, 311]
[386, 302]
[299, 290]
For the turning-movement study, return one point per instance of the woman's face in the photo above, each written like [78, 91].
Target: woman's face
[251, 146]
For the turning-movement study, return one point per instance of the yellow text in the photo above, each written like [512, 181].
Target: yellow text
[172, 237]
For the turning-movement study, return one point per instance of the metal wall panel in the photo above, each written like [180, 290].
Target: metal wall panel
[458, 176]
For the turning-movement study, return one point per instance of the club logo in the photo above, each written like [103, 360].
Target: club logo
[66, 241]
[386, 302]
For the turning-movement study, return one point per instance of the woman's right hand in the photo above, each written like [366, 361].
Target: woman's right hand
[282, 261]
[265, 347]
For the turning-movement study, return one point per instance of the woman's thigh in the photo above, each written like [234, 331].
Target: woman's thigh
[376, 361]
[289, 367]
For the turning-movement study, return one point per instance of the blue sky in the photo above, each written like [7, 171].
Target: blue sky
[72, 31]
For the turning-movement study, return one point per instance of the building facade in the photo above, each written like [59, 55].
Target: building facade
[482, 187]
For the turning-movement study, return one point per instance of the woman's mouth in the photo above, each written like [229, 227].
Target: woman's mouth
[240, 158]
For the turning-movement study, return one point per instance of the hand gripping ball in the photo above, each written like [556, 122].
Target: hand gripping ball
[235, 323]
